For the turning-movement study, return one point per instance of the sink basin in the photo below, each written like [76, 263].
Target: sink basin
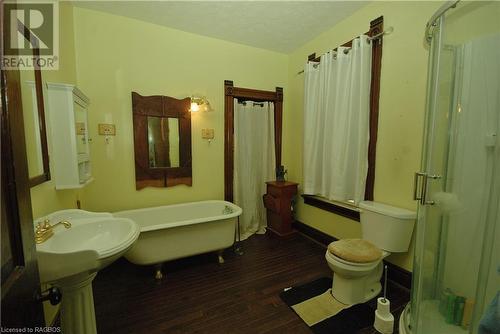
[93, 241]
[71, 258]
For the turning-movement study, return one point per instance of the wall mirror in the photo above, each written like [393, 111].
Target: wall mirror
[162, 141]
[34, 125]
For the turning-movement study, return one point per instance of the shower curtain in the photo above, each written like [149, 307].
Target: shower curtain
[254, 162]
[336, 122]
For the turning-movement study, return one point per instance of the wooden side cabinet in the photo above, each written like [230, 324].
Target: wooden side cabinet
[278, 202]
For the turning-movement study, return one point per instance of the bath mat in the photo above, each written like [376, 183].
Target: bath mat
[319, 308]
[349, 320]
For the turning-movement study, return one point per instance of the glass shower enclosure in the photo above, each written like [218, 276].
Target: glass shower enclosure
[456, 272]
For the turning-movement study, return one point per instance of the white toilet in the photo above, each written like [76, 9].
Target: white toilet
[357, 263]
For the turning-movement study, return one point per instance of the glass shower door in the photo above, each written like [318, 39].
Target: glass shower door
[457, 255]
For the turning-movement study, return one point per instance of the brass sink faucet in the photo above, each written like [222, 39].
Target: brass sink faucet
[44, 231]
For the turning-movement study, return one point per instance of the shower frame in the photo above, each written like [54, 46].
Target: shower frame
[424, 289]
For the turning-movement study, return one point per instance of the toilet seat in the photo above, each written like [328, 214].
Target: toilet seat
[351, 267]
[355, 251]
[354, 264]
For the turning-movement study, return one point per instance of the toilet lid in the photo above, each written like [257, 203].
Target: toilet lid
[355, 250]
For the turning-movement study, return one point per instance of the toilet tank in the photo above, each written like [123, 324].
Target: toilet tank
[387, 227]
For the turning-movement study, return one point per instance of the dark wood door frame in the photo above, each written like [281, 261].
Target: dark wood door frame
[20, 280]
[231, 93]
[20, 283]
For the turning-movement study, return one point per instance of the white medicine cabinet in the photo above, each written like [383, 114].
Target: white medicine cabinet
[69, 133]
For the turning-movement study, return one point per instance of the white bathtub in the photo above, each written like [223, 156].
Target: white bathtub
[176, 231]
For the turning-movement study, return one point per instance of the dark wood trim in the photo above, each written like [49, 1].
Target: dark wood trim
[396, 274]
[18, 288]
[331, 207]
[278, 124]
[376, 27]
[399, 275]
[231, 93]
[315, 235]
[228, 140]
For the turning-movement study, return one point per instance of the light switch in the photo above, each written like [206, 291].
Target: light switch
[107, 129]
[207, 134]
[80, 128]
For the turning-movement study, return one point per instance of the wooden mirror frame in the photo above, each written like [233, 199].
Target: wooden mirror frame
[161, 106]
[231, 93]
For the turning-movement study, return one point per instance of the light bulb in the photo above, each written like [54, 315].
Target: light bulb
[194, 107]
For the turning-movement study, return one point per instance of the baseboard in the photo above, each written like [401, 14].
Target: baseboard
[314, 234]
[396, 274]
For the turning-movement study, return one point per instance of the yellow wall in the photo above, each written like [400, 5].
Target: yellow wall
[118, 55]
[402, 104]
[44, 197]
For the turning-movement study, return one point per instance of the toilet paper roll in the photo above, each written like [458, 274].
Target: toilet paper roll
[384, 323]
[383, 306]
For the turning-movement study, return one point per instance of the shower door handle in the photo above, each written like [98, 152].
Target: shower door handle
[422, 195]
[417, 196]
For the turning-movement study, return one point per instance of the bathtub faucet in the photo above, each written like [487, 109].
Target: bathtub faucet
[227, 210]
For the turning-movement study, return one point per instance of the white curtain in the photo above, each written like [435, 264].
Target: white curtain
[254, 162]
[336, 122]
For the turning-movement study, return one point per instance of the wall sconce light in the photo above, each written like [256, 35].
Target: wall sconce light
[200, 104]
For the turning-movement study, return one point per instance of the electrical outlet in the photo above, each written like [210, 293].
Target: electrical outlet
[107, 129]
[207, 134]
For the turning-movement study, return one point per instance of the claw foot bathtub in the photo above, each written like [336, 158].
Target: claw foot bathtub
[176, 231]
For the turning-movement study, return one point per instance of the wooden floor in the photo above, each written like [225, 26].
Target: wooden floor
[201, 296]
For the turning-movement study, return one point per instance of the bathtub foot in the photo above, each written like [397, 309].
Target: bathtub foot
[238, 250]
[158, 272]
[219, 255]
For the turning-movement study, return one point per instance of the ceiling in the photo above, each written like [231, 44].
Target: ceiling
[280, 26]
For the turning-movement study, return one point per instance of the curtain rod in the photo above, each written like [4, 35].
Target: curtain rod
[389, 31]
[260, 103]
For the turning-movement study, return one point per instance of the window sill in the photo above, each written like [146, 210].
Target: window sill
[339, 209]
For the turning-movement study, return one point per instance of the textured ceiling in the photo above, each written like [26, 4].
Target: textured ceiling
[280, 26]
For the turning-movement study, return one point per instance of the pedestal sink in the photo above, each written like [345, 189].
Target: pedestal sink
[71, 258]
